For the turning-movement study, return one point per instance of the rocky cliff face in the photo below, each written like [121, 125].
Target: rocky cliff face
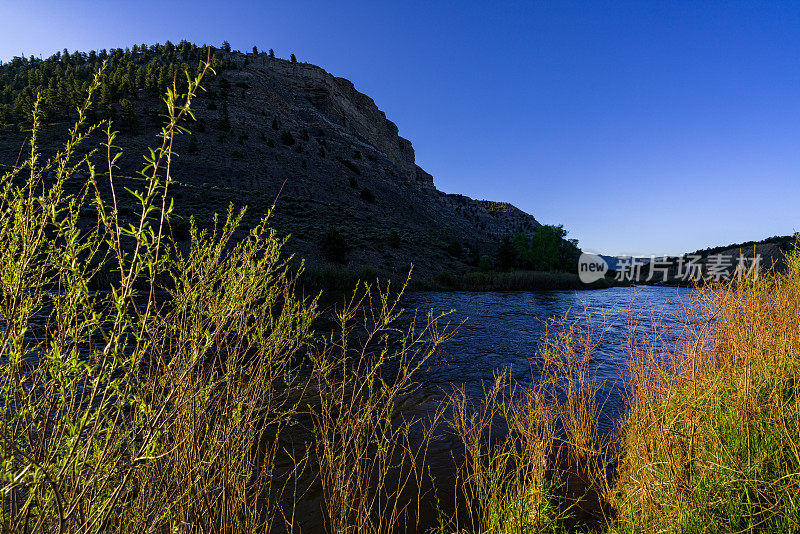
[268, 128]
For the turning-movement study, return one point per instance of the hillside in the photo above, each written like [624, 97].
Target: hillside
[713, 263]
[270, 128]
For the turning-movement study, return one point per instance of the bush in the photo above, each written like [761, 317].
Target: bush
[394, 239]
[287, 138]
[713, 433]
[367, 195]
[368, 274]
[333, 246]
[455, 249]
[446, 279]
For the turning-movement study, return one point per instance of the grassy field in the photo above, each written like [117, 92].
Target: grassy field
[196, 396]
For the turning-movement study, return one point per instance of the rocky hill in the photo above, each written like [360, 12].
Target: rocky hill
[270, 128]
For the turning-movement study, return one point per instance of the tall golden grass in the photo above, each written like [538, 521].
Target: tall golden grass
[710, 441]
[712, 436]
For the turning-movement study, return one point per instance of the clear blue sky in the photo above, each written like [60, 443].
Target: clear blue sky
[643, 127]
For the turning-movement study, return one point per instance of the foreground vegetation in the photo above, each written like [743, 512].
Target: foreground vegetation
[196, 395]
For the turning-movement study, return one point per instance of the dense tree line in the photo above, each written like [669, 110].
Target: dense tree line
[546, 250]
[63, 79]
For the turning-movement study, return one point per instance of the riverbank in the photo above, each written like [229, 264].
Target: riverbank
[341, 278]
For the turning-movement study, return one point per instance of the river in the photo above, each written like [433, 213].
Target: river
[502, 332]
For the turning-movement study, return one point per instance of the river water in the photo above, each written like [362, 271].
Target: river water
[503, 331]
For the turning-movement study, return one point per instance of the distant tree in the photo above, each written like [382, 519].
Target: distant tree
[333, 246]
[226, 46]
[5, 115]
[163, 79]
[506, 258]
[570, 253]
[128, 113]
[522, 250]
[255, 50]
[546, 247]
[293, 59]
[106, 95]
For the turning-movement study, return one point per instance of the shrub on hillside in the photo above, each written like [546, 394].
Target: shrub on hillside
[394, 239]
[287, 138]
[333, 246]
[367, 195]
[454, 248]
